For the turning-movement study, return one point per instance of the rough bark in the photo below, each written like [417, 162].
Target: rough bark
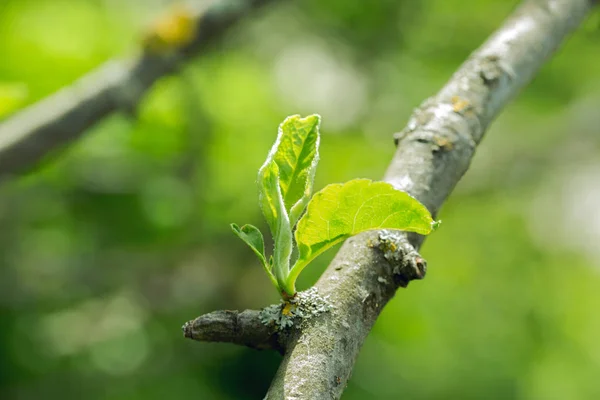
[244, 328]
[434, 151]
[117, 85]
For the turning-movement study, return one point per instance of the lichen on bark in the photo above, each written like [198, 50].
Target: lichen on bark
[296, 311]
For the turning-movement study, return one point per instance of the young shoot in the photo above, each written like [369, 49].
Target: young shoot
[338, 211]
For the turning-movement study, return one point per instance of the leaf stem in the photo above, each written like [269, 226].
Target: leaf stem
[290, 284]
[271, 276]
[281, 276]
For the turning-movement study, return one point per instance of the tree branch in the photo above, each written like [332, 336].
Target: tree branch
[117, 85]
[434, 151]
[244, 328]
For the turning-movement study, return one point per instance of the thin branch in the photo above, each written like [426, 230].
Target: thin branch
[434, 151]
[63, 117]
[244, 328]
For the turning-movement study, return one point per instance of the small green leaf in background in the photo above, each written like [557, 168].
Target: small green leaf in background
[343, 210]
[296, 153]
[12, 97]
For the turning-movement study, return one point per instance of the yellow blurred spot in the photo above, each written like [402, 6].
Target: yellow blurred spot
[12, 97]
[444, 143]
[459, 104]
[173, 30]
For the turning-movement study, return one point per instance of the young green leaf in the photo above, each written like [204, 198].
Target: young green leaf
[343, 210]
[269, 195]
[296, 153]
[272, 205]
[253, 237]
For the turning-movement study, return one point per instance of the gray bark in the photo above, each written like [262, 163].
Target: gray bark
[244, 328]
[59, 119]
[434, 151]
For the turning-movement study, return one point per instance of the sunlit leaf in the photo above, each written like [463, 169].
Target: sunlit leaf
[343, 210]
[296, 153]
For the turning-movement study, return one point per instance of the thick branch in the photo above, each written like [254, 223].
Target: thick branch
[63, 117]
[434, 151]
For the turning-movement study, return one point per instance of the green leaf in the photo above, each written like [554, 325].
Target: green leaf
[269, 195]
[253, 237]
[343, 210]
[272, 205]
[296, 153]
[285, 183]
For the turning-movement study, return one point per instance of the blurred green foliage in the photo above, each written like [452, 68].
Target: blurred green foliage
[107, 248]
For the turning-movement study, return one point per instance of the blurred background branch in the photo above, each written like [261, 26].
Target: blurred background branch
[118, 85]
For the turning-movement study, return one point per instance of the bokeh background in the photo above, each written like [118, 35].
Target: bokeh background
[110, 245]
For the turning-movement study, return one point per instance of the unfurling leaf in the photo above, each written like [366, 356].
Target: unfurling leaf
[343, 210]
[269, 195]
[272, 205]
[285, 183]
[296, 153]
